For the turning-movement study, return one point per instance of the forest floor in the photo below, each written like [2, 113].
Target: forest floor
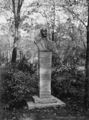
[72, 111]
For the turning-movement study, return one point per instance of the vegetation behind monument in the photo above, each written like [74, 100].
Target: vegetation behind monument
[71, 44]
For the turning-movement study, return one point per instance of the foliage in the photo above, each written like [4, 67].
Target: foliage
[69, 20]
[65, 85]
[54, 14]
[24, 66]
[67, 79]
[18, 85]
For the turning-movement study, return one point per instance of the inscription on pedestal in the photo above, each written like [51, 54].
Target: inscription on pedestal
[45, 74]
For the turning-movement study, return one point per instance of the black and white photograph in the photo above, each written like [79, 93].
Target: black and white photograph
[44, 59]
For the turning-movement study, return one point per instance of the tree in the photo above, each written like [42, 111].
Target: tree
[14, 8]
[48, 11]
[86, 97]
[17, 4]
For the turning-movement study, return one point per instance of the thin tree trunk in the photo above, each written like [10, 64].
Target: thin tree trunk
[53, 26]
[86, 96]
[14, 55]
[17, 22]
[14, 52]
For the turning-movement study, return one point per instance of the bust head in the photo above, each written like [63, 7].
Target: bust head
[43, 32]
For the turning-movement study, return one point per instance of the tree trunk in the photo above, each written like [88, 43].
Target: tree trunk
[14, 52]
[16, 11]
[14, 55]
[86, 97]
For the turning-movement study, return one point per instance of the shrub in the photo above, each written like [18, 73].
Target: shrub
[18, 85]
[66, 84]
[24, 66]
[66, 78]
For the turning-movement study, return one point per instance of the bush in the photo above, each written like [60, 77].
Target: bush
[67, 80]
[18, 85]
[66, 84]
[24, 66]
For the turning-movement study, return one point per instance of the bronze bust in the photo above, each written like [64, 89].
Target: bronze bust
[41, 41]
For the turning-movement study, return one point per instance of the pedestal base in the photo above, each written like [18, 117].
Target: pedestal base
[45, 102]
[50, 99]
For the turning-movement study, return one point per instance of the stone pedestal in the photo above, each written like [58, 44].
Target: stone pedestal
[45, 99]
[45, 74]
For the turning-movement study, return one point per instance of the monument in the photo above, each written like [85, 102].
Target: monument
[45, 74]
[45, 59]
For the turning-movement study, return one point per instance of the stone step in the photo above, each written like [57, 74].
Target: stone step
[45, 102]
[50, 99]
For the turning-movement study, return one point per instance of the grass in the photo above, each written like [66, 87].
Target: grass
[72, 111]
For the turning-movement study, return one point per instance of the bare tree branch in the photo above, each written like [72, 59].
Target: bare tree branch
[73, 13]
[21, 2]
[13, 6]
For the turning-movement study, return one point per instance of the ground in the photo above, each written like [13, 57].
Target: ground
[44, 114]
[70, 112]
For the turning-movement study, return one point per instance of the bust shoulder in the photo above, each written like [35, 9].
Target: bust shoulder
[38, 38]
